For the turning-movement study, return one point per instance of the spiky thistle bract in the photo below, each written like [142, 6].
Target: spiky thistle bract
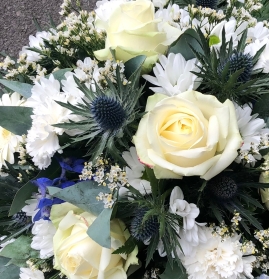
[109, 115]
[221, 73]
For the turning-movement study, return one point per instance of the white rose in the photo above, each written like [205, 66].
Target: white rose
[188, 134]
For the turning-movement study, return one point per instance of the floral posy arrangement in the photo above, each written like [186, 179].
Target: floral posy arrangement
[134, 143]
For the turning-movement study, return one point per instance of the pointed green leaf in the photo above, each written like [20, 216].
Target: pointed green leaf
[22, 88]
[83, 195]
[101, 224]
[133, 65]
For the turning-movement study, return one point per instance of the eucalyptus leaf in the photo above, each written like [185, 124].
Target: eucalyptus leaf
[83, 195]
[59, 75]
[101, 224]
[10, 271]
[17, 120]
[189, 37]
[19, 250]
[22, 88]
[133, 65]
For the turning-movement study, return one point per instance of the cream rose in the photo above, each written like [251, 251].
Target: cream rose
[133, 30]
[78, 256]
[188, 134]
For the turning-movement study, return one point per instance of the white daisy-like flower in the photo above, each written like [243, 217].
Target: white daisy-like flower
[258, 32]
[42, 139]
[27, 273]
[9, 143]
[173, 75]
[134, 172]
[232, 31]
[252, 130]
[263, 62]
[218, 258]
[43, 231]
[36, 41]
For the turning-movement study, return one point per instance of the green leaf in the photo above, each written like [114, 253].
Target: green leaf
[20, 249]
[83, 195]
[101, 224]
[22, 88]
[26, 191]
[17, 120]
[10, 271]
[213, 40]
[133, 65]
[261, 106]
[127, 248]
[189, 37]
[59, 75]
[175, 272]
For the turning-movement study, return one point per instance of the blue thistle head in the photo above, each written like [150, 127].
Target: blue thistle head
[20, 218]
[239, 61]
[212, 4]
[222, 187]
[143, 230]
[108, 113]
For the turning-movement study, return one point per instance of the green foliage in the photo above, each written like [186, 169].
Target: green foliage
[83, 195]
[222, 84]
[189, 37]
[127, 248]
[263, 13]
[22, 88]
[19, 251]
[101, 224]
[175, 271]
[261, 106]
[59, 75]
[108, 141]
[16, 119]
[8, 271]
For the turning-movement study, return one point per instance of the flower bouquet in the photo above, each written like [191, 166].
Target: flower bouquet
[134, 143]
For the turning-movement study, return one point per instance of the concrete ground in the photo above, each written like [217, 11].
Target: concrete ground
[16, 20]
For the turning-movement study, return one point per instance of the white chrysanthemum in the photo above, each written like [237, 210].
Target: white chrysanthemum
[42, 138]
[258, 32]
[252, 131]
[218, 258]
[43, 231]
[134, 172]
[263, 62]
[27, 273]
[9, 143]
[173, 75]
[232, 31]
[36, 41]
[31, 207]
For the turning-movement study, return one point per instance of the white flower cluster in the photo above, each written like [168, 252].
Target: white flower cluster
[42, 138]
[254, 134]
[219, 257]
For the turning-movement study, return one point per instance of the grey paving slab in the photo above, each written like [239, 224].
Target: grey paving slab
[16, 20]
